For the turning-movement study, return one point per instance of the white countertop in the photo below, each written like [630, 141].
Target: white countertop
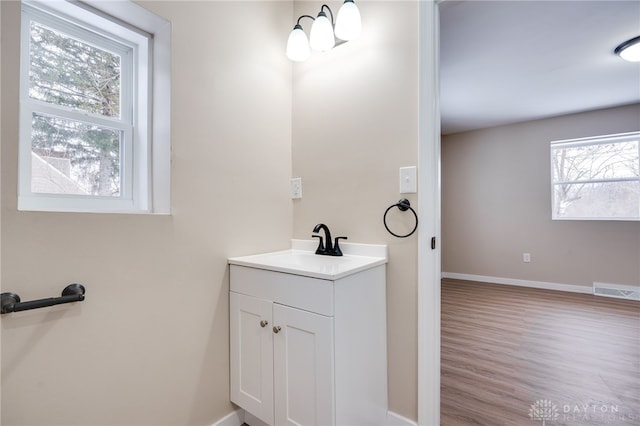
[301, 259]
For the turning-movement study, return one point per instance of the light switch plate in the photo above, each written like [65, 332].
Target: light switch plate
[408, 180]
[296, 188]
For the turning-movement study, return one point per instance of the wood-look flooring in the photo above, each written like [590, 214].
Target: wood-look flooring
[510, 352]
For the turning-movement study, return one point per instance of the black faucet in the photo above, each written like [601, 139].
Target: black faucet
[328, 249]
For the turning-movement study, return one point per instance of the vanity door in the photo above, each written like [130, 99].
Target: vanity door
[251, 354]
[303, 367]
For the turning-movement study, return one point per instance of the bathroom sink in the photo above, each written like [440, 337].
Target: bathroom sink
[302, 260]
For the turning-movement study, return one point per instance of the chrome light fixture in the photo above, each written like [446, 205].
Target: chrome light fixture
[629, 50]
[325, 35]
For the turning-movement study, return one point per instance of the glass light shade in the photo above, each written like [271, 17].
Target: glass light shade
[631, 53]
[298, 45]
[348, 23]
[322, 38]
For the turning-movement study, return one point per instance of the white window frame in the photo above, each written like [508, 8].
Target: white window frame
[146, 149]
[596, 140]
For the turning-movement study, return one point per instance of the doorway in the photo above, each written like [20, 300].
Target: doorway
[429, 269]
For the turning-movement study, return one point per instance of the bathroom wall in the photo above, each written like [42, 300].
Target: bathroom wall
[355, 123]
[496, 205]
[149, 345]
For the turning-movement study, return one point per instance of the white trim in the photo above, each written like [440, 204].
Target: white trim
[590, 141]
[394, 419]
[78, 28]
[145, 185]
[429, 260]
[238, 417]
[520, 283]
[234, 418]
[140, 18]
[596, 140]
[161, 119]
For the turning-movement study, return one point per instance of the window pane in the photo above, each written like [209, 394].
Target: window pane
[72, 157]
[602, 161]
[598, 200]
[64, 71]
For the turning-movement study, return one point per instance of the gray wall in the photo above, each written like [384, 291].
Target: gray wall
[496, 204]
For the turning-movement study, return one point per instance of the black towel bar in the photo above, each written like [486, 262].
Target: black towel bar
[10, 302]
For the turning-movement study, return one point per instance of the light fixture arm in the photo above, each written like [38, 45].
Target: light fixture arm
[304, 16]
[330, 13]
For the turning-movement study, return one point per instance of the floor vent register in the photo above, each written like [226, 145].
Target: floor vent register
[618, 291]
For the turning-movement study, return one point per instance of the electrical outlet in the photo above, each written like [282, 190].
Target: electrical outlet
[526, 257]
[296, 188]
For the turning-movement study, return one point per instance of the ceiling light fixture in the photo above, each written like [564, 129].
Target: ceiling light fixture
[325, 35]
[629, 50]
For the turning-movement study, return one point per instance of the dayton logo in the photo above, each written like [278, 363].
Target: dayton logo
[543, 410]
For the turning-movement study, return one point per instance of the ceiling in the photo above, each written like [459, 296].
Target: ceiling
[508, 61]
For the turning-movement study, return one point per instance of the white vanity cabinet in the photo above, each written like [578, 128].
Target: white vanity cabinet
[288, 366]
[309, 350]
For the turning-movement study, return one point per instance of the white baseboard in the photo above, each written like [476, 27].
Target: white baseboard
[235, 418]
[394, 419]
[238, 417]
[522, 283]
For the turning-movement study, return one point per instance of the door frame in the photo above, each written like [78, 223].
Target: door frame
[429, 259]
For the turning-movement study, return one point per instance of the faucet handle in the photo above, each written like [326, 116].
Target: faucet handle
[320, 249]
[336, 247]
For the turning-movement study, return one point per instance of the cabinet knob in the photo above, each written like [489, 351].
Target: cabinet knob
[264, 323]
[276, 329]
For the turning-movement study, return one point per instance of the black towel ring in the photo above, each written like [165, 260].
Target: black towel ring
[403, 205]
